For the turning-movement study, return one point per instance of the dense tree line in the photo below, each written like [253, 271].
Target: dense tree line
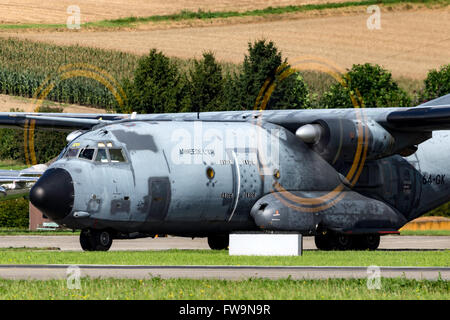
[159, 86]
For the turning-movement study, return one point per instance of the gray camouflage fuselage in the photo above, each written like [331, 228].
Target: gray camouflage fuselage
[166, 185]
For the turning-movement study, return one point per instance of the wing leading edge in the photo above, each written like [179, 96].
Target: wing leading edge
[429, 116]
[58, 121]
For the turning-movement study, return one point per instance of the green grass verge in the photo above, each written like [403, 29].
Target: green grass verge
[25, 232]
[209, 257]
[425, 233]
[251, 289]
[11, 165]
[201, 15]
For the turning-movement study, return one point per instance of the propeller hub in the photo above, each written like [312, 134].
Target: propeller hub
[309, 133]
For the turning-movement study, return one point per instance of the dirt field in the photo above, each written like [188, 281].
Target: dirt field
[410, 42]
[51, 11]
[12, 102]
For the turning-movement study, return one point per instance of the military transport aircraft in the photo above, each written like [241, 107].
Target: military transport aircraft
[345, 176]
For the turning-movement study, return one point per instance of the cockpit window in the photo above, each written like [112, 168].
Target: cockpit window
[116, 155]
[71, 153]
[101, 156]
[87, 154]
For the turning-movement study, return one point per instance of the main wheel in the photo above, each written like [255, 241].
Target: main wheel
[367, 241]
[334, 241]
[219, 242]
[343, 241]
[95, 240]
[371, 241]
[323, 241]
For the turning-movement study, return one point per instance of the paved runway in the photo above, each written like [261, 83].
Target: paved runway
[45, 272]
[72, 243]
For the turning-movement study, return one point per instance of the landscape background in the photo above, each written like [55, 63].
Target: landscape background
[188, 56]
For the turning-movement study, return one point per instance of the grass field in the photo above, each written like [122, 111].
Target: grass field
[409, 43]
[186, 13]
[209, 257]
[48, 11]
[251, 289]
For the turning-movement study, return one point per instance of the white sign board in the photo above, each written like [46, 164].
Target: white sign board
[265, 244]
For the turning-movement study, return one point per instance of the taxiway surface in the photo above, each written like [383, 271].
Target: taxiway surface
[46, 272]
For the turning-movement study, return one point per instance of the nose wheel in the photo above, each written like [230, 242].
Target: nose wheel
[95, 240]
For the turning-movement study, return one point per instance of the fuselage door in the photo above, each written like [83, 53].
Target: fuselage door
[247, 182]
[119, 169]
[158, 197]
[406, 188]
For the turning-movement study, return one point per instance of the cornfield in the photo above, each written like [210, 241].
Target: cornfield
[25, 65]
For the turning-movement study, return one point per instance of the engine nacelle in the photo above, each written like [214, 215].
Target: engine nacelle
[350, 212]
[338, 139]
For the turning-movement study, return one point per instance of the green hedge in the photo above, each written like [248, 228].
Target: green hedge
[14, 213]
[436, 84]
[443, 211]
[47, 143]
[372, 85]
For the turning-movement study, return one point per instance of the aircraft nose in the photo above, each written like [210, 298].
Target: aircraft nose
[53, 193]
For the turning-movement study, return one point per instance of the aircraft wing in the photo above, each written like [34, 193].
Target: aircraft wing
[429, 116]
[7, 177]
[432, 115]
[14, 183]
[58, 121]
[420, 119]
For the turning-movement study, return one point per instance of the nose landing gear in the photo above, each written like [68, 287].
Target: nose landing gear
[95, 240]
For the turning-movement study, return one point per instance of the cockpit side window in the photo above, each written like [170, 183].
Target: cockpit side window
[71, 153]
[87, 153]
[102, 156]
[116, 155]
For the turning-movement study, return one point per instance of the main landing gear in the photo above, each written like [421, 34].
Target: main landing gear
[340, 241]
[218, 242]
[96, 240]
